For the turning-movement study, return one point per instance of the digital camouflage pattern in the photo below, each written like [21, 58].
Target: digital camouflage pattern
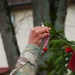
[27, 62]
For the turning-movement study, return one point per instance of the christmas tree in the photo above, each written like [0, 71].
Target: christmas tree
[55, 60]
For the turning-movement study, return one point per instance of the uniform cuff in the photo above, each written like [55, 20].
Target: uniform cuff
[34, 48]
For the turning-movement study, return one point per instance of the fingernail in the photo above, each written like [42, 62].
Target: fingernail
[49, 28]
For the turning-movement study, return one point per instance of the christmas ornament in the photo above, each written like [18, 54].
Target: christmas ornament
[68, 50]
[45, 49]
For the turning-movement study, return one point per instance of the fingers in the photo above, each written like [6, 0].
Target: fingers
[44, 30]
[41, 30]
[44, 35]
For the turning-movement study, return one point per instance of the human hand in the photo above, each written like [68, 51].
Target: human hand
[37, 34]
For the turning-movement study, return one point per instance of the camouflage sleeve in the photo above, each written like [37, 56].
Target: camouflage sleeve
[27, 62]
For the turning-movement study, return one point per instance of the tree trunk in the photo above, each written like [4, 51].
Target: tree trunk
[61, 14]
[53, 10]
[40, 11]
[8, 36]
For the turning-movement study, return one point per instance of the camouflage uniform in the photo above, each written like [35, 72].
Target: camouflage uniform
[27, 62]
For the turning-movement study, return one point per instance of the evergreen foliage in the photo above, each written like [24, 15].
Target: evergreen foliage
[55, 60]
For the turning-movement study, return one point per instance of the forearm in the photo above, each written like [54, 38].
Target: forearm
[27, 62]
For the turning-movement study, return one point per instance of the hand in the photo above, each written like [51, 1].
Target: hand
[37, 34]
